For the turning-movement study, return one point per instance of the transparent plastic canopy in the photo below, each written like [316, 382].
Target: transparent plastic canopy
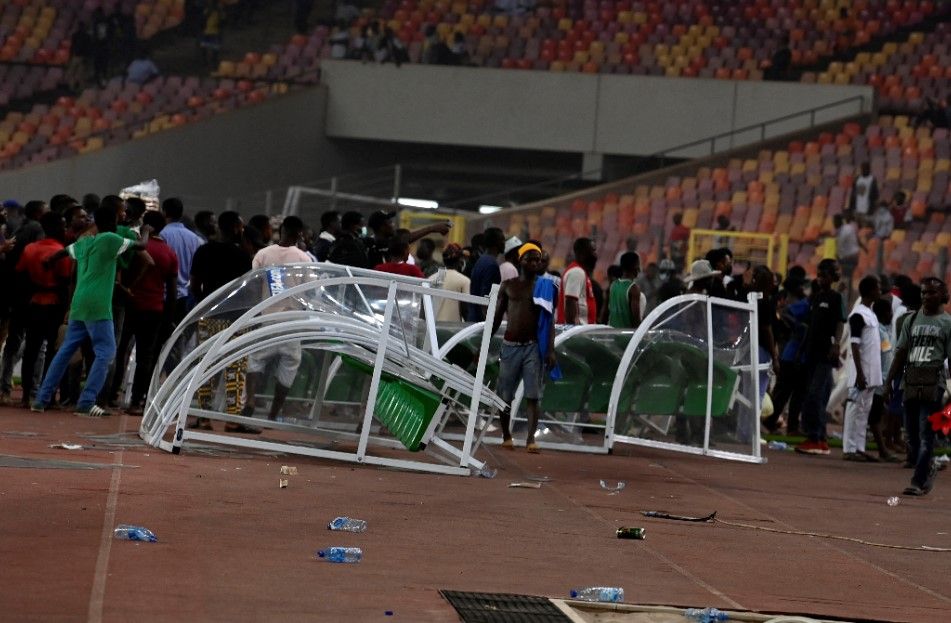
[359, 346]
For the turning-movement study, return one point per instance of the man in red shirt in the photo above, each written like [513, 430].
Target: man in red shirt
[679, 238]
[153, 296]
[47, 306]
[399, 253]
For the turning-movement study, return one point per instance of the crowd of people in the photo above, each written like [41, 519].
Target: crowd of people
[91, 278]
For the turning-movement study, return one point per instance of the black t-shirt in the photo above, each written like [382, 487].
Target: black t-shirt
[216, 263]
[766, 310]
[378, 251]
[349, 251]
[824, 317]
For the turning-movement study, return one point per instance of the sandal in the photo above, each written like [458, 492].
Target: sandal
[507, 444]
[533, 448]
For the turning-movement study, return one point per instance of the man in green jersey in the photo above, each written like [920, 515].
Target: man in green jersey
[90, 314]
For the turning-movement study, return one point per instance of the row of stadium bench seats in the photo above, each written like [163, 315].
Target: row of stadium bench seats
[690, 38]
[795, 190]
[40, 31]
[119, 112]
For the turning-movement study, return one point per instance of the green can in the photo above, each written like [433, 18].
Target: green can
[638, 534]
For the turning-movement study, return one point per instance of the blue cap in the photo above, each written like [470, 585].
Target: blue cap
[12, 204]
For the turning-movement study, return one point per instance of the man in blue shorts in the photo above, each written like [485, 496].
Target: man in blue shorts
[521, 358]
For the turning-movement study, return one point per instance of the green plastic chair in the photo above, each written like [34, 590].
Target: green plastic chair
[569, 393]
[660, 382]
[694, 362]
[405, 409]
[603, 363]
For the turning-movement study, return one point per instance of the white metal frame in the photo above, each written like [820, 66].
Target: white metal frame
[603, 447]
[610, 436]
[256, 329]
[754, 367]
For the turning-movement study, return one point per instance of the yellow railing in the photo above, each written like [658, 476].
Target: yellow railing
[771, 250]
[412, 219]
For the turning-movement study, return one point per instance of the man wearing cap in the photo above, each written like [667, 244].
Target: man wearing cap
[454, 281]
[508, 268]
[381, 224]
[700, 278]
[521, 358]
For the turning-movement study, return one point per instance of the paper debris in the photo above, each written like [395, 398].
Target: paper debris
[525, 485]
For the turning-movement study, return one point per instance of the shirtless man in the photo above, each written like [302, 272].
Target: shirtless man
[521, 358]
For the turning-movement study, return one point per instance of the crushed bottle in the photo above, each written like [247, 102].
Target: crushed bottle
[340, 554]
[777, 445]
[126, 532]
[348, 524]
[487, 472]
[607, 594]
[706, 615]
[893, 501]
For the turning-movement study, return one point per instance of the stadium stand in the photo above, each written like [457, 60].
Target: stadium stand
[119, 112]
[904, 74]
[39, 31]
[797, 189]
[35, 38]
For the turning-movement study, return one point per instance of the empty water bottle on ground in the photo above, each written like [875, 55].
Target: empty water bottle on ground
[598, 593]
[348, 524]
[707, 615]
[125, 532]
[341, 554]
[777, 445]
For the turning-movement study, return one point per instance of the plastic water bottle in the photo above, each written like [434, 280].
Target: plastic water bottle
[777, 445]
[348, 524]
[707, 615]
[599, 593]
[125, 532]
[341, 554]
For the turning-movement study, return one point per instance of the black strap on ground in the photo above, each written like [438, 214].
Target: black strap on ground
[662, 515]
[503, 608]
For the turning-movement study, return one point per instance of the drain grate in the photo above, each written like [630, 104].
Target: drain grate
[503, 608]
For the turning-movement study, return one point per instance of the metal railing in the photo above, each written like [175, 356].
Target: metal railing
[659, 159]
[762, 126]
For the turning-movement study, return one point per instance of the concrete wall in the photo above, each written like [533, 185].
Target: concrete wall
[293, 139]
[279, 142]
[620, 115]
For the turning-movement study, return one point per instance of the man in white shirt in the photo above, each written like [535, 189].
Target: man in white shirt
[864, 193]
[576, 303]
[865, 373]
[451, 310]
[284, 358]
[508, 268]
[847, 246]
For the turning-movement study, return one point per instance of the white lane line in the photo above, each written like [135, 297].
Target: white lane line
[895, 576]
[98, 593]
